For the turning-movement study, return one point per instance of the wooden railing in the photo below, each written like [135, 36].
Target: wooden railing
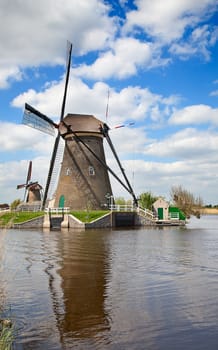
[144, 212]
[147, 213]
[3, 210]
[122, 207]
[65, 210]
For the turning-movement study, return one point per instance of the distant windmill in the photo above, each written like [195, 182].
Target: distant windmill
[83, 177]
[33, 190]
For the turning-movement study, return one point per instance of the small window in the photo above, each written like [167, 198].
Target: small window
[91, 171]
[68, 171]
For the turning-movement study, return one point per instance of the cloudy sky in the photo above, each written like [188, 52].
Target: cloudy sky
[158, 61]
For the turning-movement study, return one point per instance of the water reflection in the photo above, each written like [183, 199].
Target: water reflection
[83, 271]
[120, 289]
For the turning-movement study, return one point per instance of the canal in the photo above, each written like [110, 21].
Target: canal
[122, 289]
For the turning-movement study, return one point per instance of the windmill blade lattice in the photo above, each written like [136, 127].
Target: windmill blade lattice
[37, 120]
[56, 169]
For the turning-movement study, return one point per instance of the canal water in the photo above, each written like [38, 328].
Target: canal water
[138, 289]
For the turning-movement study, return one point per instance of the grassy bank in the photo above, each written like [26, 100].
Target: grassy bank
[8, 219]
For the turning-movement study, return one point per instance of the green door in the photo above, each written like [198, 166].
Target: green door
[160, 213]
[61, 201]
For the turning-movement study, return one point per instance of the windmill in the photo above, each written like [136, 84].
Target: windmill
[83, 178]
[33, 190]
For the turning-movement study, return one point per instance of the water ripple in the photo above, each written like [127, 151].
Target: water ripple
[112, 289]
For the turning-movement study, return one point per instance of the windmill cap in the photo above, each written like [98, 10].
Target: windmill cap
[82, 123]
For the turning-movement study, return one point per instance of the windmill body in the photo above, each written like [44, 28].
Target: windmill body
[33, 190]
[83, 181]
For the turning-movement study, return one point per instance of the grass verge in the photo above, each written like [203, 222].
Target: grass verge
[8, 219]
[18, 217]
[89, 216]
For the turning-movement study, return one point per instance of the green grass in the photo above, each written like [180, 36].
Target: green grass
[18, 217]
[88, 216]
[8, 219]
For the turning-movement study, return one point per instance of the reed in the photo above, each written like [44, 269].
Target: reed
[6, 334]
[7, 329]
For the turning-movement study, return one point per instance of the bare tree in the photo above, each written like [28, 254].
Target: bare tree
[186, 201]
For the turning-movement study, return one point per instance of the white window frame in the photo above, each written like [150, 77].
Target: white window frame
[91, 170]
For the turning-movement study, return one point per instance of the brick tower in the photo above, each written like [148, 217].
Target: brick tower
[83, 181]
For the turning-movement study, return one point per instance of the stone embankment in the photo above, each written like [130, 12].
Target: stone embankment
[109, 220]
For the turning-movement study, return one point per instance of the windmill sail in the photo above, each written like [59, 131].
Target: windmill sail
[32, 189]
[20, 186]
[55, 148]
[28, 178]
[69, 51]
[29, 173]
[37, 120]
[56, 169]
[104, 130]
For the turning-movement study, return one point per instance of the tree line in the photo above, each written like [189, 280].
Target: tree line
[180, 198]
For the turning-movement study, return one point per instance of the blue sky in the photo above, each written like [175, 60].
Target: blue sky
[158, 60]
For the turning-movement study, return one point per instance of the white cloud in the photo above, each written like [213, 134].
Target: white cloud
[214, 93]
[186, 144]
[129, 140]
[80, 98]
[158, 177]
[199, 42]
[132, 103]
[7, 74]
[48, 101]
[176, 24]
[20, 141]
[19, 137]
[123, 60]
[35, 33]
[167, 20]
[196, 114]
